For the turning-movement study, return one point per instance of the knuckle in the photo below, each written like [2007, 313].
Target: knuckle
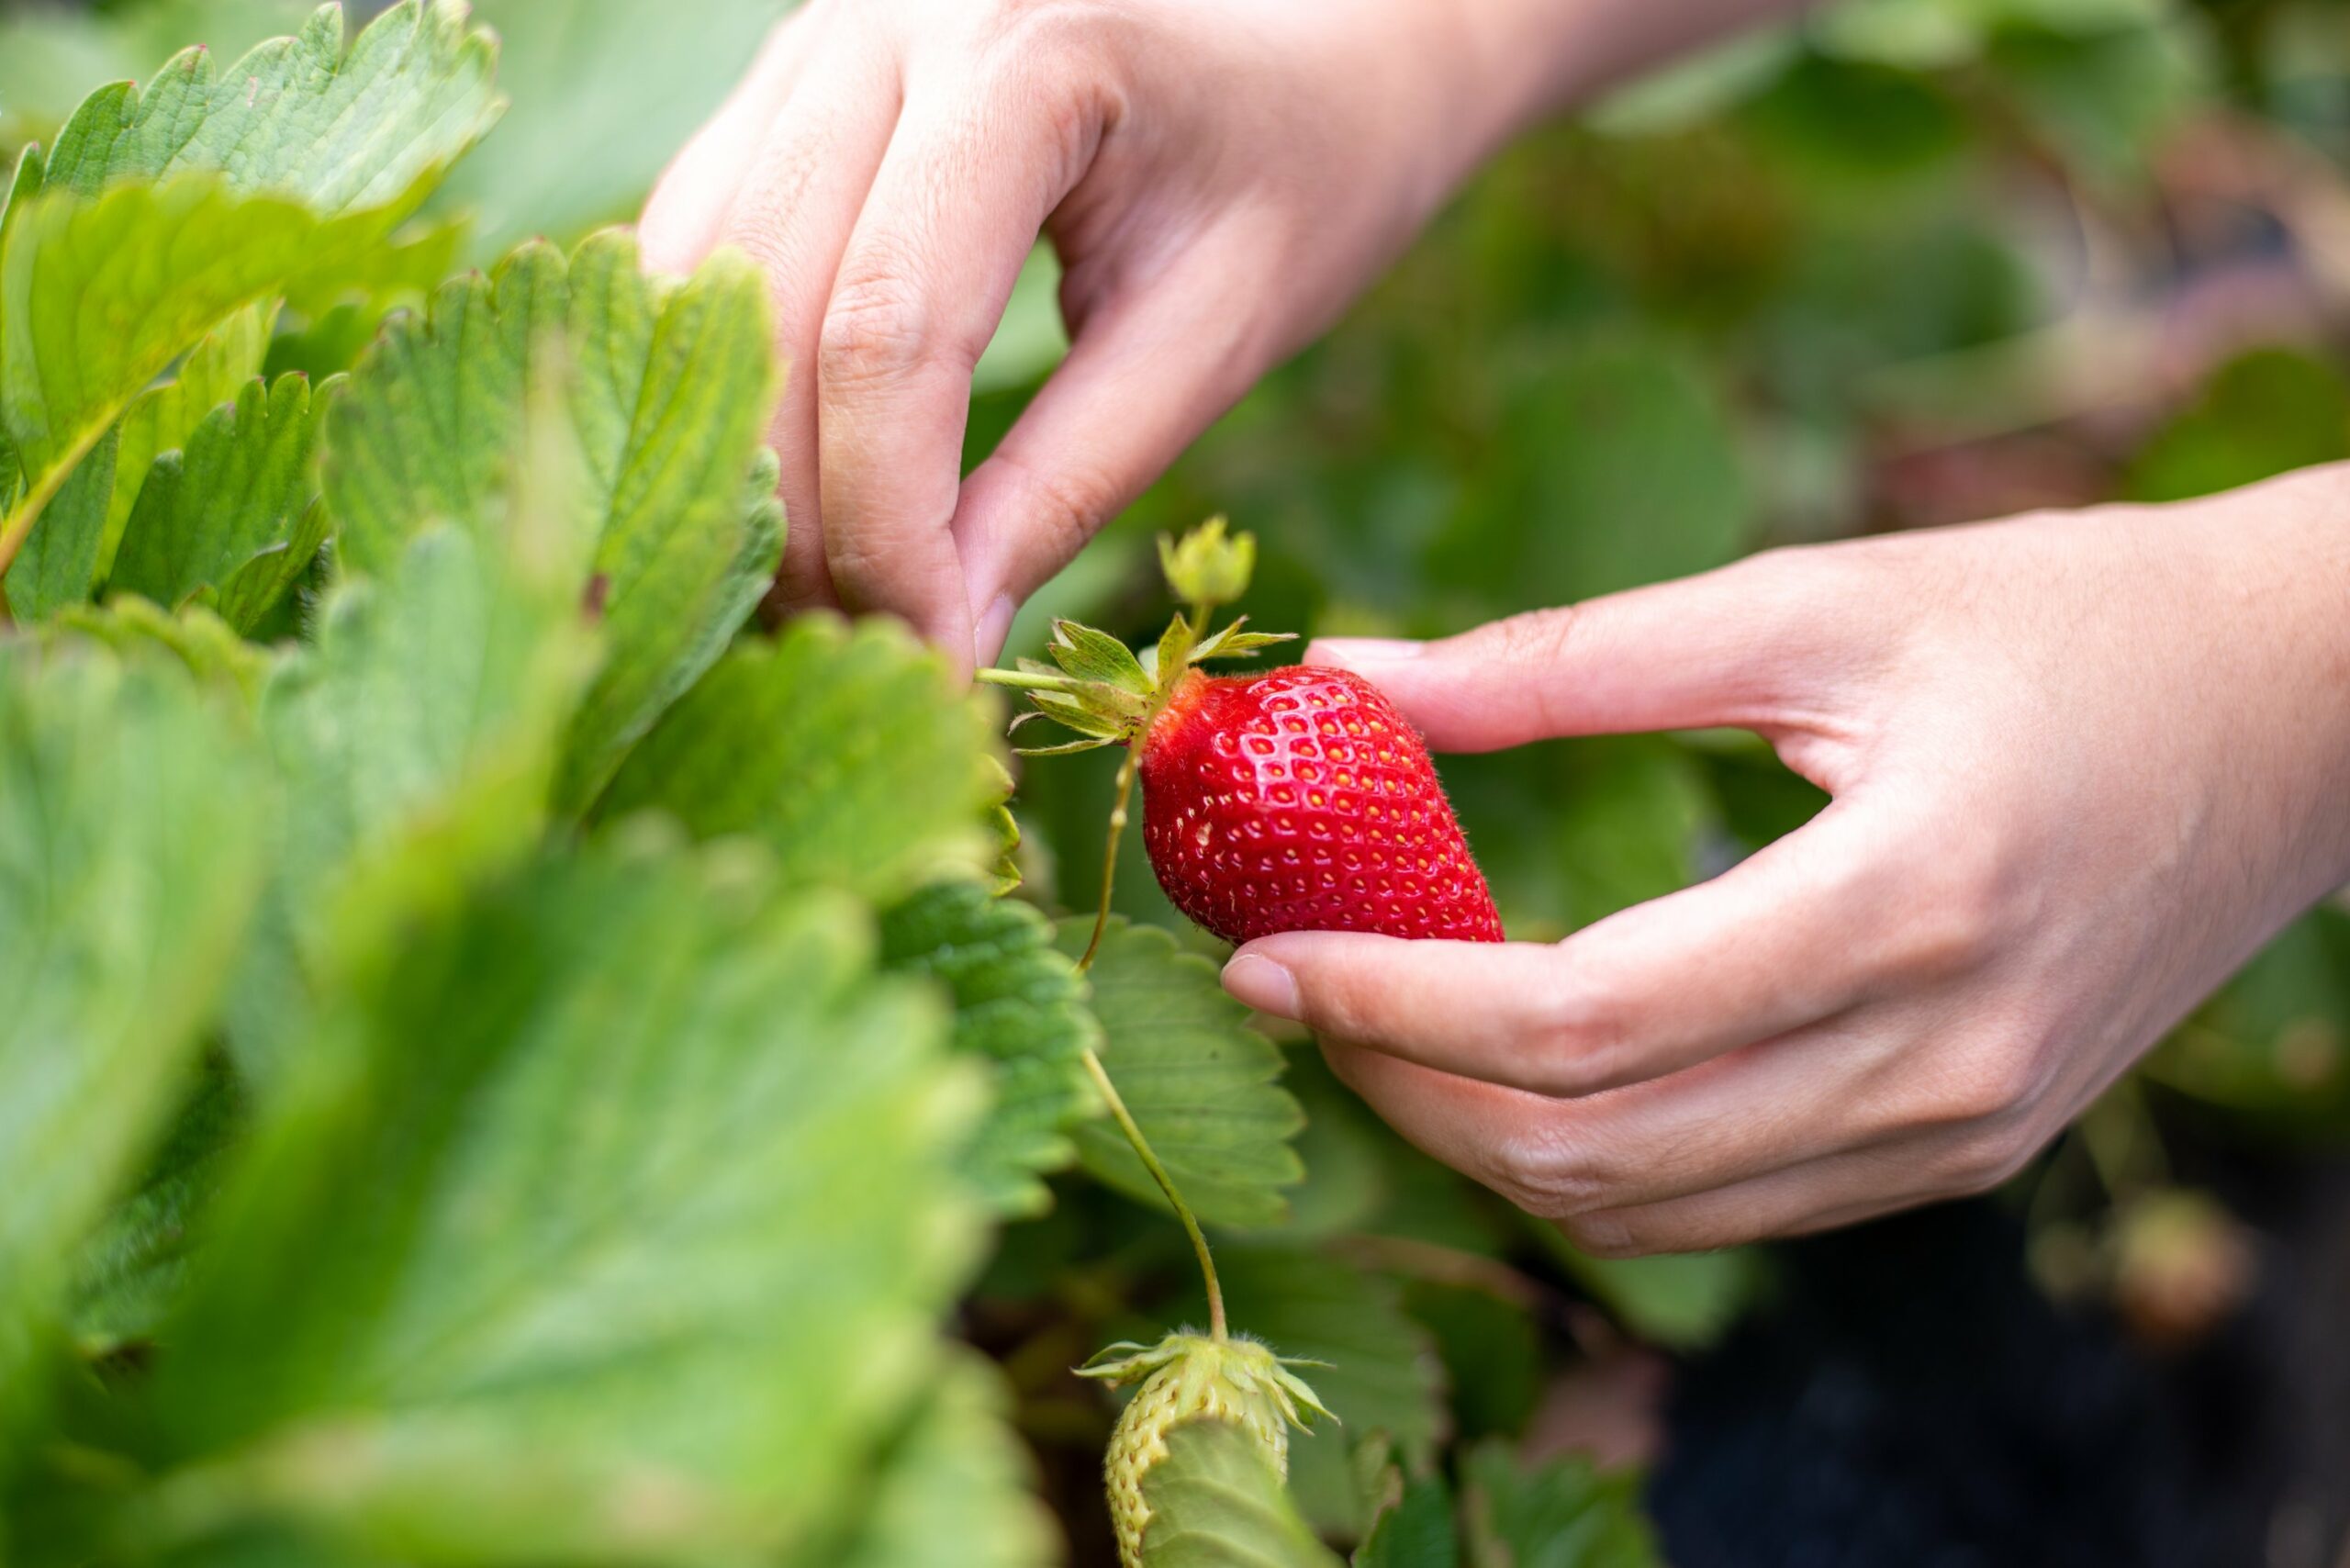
[1986, 1157]
[1982, 1092]
[1955, 911]
[876, 330]
[1544, 1174]
[1994, 1086]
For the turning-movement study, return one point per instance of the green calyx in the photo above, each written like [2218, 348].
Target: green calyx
[1236, 1362]
[1109, 694]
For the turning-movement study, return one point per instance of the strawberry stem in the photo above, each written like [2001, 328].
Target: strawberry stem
[1141, 1146]
[1110, 853]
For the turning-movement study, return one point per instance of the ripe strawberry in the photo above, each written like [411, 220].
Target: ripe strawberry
[1294, 800]
[1300, 800]
[1190, 1377]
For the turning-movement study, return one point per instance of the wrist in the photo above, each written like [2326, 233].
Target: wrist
[2288, 596]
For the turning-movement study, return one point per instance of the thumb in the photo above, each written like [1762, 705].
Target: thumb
[1735, 646]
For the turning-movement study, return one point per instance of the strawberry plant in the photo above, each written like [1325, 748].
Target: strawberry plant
[508, 1062]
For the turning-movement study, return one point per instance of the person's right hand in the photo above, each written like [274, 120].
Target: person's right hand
[1218, 177]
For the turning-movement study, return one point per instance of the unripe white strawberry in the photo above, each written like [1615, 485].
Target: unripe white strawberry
[1190, 1377]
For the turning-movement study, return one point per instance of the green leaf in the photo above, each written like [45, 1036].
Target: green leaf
[23, 185]
[668, 388]
[850, 750]
[1200, 1081]
[1416, 1532]
[1623, 451]
[131, 849]
[1020, 1007]
[419, 735]
[1089, 655]
[1214, 1503]
[1559, 1515]
[81, 334]
[345, 147]
[612, 1218]
[161, 419]
[605, 92]
[1681, 1301]
[954, 1491]
[1382, 1374]
[207, 647]
[371, 131]
[58, 565]
[2262, 414]
[234, 512]
[131, 1269]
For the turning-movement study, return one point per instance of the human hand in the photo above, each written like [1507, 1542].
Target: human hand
[2082, 767]
[1218, 177]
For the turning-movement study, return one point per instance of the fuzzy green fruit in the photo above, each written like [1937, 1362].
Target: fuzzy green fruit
[1190, 1377]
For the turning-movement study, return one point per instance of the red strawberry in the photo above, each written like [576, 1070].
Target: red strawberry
[1300, 800]
[1295, 800]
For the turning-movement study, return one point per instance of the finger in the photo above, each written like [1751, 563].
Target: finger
[1149, 371]
[1825, 1194]
[793, 215]
[953, 213]
[1792, 935]
[1753, 645]
[689, 206]
[1777, 1104]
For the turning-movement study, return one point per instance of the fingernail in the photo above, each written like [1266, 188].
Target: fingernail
[1365, 650]
[1263, 984]
[987, 640]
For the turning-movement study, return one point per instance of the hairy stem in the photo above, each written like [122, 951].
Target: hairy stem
[1125, 1121]
[1110, 852]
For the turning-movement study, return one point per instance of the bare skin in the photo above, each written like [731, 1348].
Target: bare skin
[2081, 765]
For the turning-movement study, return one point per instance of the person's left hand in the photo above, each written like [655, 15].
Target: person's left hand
[2082, 767]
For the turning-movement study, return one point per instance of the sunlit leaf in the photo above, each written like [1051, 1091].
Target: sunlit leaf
[374, 129]
[81, 335]
[343, 147]
[668, 387]
[850, 750]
